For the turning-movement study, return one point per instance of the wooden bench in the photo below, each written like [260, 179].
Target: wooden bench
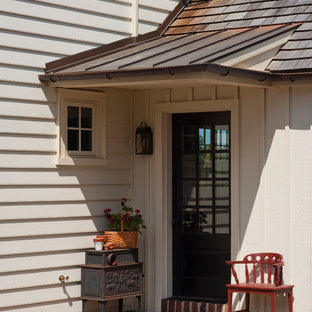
[266, 277]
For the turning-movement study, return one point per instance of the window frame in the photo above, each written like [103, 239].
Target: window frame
[77, 98]
[79, 129]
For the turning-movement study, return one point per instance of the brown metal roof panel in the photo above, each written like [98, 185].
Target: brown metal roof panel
[130, 51]
[247, 39]
[148, 58]
[219, 47]
[208, 46]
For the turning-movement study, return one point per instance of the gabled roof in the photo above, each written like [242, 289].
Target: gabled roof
[270, 36]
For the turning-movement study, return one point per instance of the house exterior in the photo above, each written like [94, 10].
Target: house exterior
[49, 214]
[242, 66]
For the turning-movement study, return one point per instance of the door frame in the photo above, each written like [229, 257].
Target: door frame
[163, 184]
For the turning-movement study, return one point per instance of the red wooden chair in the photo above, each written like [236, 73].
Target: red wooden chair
[268, 265]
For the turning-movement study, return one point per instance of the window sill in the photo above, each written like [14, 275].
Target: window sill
[82, 161]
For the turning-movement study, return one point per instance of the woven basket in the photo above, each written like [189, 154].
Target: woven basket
[122, 239]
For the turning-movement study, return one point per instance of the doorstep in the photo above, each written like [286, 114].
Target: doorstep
[184, 305]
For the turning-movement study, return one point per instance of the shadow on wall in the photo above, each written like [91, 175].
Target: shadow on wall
[275, 156]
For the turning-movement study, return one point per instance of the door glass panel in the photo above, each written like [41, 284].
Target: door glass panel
[222, 165]
[222, 221]
[205, 220]
[222, 192]
[189, 220]
[205, 193]
[189, 139]
[86, 118]
[73, 140]
[189, 166]
[204, 139]
[222, 137]
[205, 165]
[189, 193]
[73, 116]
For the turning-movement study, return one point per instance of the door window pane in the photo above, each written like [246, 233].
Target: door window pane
[205, 165]
[86, 118]
[189, 139]
[205, 220]
[222, 221]
[205, 193]
[204, 135]
[189, 193]
[73, 117]
[189, 166]
[86, 140]
[222, 163]
[222, 192]
[73, 140]
[222, 137]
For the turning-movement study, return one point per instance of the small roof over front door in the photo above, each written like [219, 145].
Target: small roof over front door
[266, 41]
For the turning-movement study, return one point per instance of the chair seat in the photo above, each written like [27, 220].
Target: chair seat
[257, 286]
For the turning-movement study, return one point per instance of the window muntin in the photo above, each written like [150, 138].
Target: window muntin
[80, 129]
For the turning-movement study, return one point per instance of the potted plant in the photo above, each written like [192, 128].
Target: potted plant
[124, 226]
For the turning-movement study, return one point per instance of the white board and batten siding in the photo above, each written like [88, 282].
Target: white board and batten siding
[49, 214]
[273, 203]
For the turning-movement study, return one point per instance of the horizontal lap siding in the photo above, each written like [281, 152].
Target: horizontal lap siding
[49, 214]
[152, 13]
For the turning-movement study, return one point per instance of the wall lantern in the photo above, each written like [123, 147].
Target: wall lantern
[143, 140]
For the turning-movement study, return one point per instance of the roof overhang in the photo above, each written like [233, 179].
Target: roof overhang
[179, 75]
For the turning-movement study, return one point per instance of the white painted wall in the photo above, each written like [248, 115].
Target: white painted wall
[274, 183]
[49, 214]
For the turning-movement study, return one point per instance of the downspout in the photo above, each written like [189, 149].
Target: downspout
[135, 18]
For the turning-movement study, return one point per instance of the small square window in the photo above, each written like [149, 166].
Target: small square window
[82, 127]
[80, 133]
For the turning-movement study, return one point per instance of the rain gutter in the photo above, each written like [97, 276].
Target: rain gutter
[267, 78]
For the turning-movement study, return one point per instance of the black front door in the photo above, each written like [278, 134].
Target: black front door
[201, 204]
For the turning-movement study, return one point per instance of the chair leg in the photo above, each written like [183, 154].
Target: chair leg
[290, 301]
[247, 301]
[272, 302]
[229, 300]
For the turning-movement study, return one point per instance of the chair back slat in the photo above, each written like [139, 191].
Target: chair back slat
[235, 274]
[262, 273]
[246, 273]
[270, 274]
[254, 273]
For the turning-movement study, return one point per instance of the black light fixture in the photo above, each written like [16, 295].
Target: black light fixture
[143, 140]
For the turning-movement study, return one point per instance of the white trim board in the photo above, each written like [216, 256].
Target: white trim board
[163, 186]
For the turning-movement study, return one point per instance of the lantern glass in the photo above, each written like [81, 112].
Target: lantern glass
[143, 140]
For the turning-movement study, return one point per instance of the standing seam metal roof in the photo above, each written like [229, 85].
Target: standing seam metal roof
[205, 32]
